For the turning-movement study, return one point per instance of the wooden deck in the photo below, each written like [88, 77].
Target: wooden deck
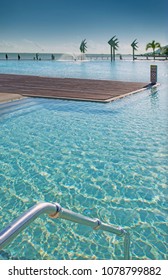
[67, 88]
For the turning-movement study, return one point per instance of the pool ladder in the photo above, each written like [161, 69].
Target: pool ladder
[54, 210]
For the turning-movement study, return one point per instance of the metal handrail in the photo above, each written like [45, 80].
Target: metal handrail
[54, 210]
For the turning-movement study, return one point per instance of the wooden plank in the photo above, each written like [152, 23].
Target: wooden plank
[68, 88]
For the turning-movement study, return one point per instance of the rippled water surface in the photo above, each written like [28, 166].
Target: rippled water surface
[106, 161]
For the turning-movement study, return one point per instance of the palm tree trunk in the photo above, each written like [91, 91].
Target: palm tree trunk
[111, 54]
[114, 53]
[154, 53]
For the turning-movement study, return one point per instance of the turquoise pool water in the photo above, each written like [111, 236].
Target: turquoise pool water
[119, 70]
[106, 161]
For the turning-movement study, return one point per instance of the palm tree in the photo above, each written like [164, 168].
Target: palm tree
[115, 47]
[134, 47]
[83, 46]
[165, 50]
[153, 45]
[113, 42]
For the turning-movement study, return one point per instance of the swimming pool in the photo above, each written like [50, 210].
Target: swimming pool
[106, 161]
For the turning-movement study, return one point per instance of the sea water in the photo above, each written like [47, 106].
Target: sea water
[106, 161]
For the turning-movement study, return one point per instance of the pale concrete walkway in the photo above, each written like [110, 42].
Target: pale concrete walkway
[7, 97]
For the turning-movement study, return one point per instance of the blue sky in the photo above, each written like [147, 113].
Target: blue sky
[60, 25]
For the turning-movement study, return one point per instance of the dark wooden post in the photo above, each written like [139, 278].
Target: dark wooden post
[153, 74]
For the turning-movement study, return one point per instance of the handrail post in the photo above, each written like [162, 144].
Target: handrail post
[126, 245]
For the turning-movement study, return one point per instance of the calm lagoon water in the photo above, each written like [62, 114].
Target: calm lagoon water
[106, 161]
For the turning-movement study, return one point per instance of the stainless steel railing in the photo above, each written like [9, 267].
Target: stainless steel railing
[54, 210]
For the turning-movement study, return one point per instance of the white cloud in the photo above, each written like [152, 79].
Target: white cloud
[8, 46]
[24, 45]
[94, 46]
[33, 45]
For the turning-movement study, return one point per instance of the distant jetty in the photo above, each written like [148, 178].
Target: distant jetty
[151, 57]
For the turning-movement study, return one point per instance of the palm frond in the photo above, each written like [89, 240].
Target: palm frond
[83, 46]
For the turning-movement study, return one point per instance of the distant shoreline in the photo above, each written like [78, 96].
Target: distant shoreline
[74, 57]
